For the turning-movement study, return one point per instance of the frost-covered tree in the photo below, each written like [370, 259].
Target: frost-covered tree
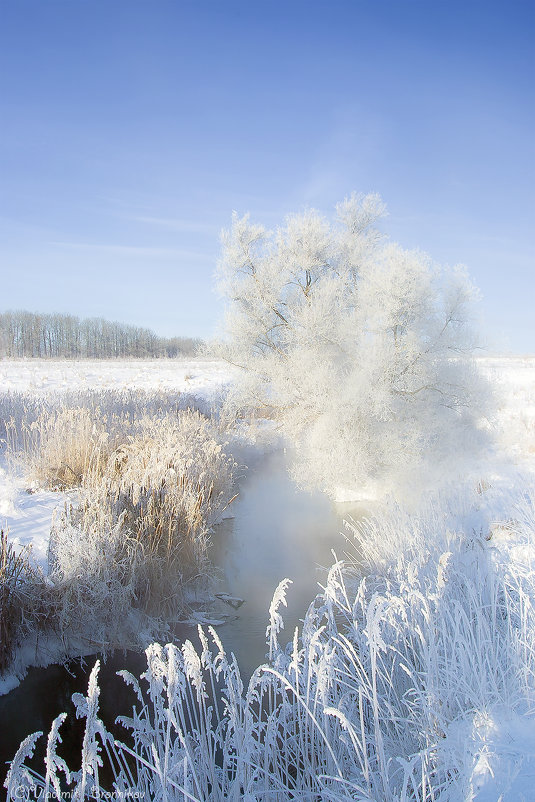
[359, 349]
[27, 334]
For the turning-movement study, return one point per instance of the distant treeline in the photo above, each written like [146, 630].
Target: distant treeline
[26, 334]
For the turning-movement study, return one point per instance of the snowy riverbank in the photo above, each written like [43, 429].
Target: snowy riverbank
[429, 659]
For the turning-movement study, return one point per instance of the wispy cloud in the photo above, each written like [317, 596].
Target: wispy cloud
[132, 250]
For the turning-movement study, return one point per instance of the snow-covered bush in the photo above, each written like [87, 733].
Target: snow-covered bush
[151, 480]
[385, 696]
[92, 569]
[140, 529]
[358, 347]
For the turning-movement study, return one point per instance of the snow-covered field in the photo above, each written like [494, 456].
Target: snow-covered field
[514, 384]
[202, 377]
[440, 568]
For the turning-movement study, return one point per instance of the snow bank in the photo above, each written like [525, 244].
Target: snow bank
[27, 515]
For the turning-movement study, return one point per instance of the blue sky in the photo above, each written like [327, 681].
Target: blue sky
[130, 130]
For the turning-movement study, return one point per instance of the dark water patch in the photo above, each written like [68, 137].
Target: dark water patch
[46, 692]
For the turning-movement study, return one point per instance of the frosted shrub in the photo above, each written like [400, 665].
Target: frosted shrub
[151, 484]
[92, 567]
[358, 348]
[168, 485]
[140, 531]
[382, 697]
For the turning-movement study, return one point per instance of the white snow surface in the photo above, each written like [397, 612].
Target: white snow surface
[513, 381]
[26, 515]
[199, 377]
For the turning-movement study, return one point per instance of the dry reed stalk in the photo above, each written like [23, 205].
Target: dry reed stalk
[24, 603]
[150, 503]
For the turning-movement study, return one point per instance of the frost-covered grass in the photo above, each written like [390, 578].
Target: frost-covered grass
[57, 435]
[23, 598]
[62, 445]
[139, 533]
[150, 483]
[387, 693]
